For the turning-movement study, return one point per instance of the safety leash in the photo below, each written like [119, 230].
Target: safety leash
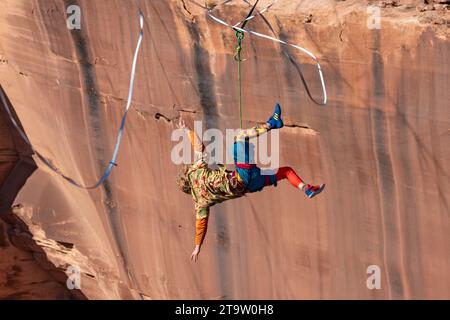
[112, 163]
[240, 37]
[237, 57]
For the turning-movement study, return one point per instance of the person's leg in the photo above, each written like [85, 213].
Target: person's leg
[264, 178]
[243, 150]
[274, 122]
[244, 157]
[254, 132]
[289, 174]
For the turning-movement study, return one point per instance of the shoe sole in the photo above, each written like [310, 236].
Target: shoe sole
[322, 186]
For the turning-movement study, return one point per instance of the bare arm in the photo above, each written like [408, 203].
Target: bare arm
[193, 137]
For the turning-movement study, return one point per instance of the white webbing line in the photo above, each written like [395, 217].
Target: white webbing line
[261, 35]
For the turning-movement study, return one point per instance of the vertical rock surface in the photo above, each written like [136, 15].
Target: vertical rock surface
[381, 145]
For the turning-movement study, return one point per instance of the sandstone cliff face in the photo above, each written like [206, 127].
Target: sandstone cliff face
[25, 269]
[381, 145]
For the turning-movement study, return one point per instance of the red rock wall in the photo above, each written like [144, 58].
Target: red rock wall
[25, 270]
[381, 145]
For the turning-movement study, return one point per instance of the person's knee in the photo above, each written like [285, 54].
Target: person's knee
[288, 170]
[283, 172]
[240, 136]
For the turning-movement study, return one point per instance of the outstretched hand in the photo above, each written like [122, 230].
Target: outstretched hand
[181, 124]
[194, 255]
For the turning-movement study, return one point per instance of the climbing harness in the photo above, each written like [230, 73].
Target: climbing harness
[112, 163]
[241, 29]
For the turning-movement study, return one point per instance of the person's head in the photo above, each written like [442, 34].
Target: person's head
[183, 180]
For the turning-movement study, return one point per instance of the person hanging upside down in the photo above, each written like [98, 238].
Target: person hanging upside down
[212, 186]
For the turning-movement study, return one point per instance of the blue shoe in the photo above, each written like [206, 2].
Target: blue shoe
[275, 121]
[312, 191]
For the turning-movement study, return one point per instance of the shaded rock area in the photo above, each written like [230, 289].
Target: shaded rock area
[25, 269]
